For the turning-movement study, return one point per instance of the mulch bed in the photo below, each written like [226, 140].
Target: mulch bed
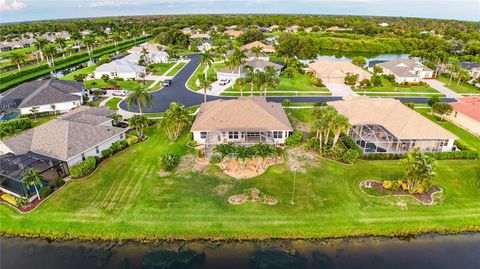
[253, 196]
[23, 209]
[425, 198]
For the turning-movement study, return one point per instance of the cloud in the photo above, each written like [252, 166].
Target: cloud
[14, 5]
[109, 3]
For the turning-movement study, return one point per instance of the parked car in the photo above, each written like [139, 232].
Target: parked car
[120, 93]
[224, 81]
[92, 91]
[167, 82]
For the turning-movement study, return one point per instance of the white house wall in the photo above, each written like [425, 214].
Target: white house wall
[61, 107]
[93, 151]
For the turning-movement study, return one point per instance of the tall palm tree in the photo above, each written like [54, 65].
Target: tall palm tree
[206, 59]
[69, 50]
[262, 81]
[50, 50]
[250, 76]
[88, 42]
[39, 44]
[270, 77]
[239, 83]
[32, 178]
[140, 96]
[257, 51]
[454, 65]
[116, 38]
[204, 84]
[340, 125]
[139, 122]
[18, 59]
[175, 119]
[144, 59]
[239, 58]
[461, 73]
[62, 43]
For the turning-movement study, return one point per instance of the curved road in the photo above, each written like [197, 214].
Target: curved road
[178, 93]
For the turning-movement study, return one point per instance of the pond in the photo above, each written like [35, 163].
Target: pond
[428, 251]
[346, 56]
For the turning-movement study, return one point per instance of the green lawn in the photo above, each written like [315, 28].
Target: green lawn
[22, 50]
[191, 82]
[387, 86]
[125, 85]
[113, 103]
[42, 120]
[126, 198]
[177, 68]
[87, 70]
[160, 69]
[462, 88]
[463, 134]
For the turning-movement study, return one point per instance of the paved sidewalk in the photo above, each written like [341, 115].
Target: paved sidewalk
[439, 86]
[340, 89]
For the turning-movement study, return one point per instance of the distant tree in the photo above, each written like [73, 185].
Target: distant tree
[442, 109]
[239, 82]
[288, 45]
[206, 59]
[61, 43]
[173, 37]
[308, 48]
[257, 51]
[251, 35]
[205, 85]
[39, 43]
[105, 77]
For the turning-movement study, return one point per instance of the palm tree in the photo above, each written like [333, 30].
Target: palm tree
[116, 118]
[264, 151]
[251, 77]
[257, 51]
[224, 150]
[239, 58]
[116, 38]
[461, 73]
[270, 77]
[144, 60]
[176, 118]
[39, 44]
[50, 50]
[61, 42]
[139, 122]
[204, 84]
[34, 111]
[69, 50]
[261, 80]
[419, 170]
[454, 65]
[88, 42]
[340, 125]
[17, 59]
[32, 178]
[239, 83]
[140, 96]
[206, 60]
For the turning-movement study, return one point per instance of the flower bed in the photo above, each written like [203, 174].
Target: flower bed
[426, 198]
[247, 169]
[252, 195]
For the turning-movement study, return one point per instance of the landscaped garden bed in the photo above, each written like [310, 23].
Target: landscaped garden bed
[252, 195]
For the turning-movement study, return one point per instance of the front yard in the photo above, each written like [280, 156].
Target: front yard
[388, 89]
[128, 198]
[159, 69]
[462, 88]
[124, 84]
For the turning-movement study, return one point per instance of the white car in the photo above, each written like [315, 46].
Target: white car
[120, 93]
[224, 81]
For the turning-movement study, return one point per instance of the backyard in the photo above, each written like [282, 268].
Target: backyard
[462, 88]
[127, 198]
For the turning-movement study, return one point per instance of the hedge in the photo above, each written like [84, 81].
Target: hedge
[45, 191]
[294, 139]
[11, 127]
[447, 155]
[84, 167]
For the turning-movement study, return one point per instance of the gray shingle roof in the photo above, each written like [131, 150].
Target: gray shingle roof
[88, 115]
[36, 93]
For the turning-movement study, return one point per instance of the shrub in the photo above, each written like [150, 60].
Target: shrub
[350, 156]
[404, 186]
[168, 161]
[461, 145]
[118, 145]
[132, 139]
[105, 77]
[433, 100]
[390, 78]
[351, 79]
[350, 144]
[382, 156]
[84, 167]
[409, 104]
[376, 81]
[11, 127]
[56, 183]
[107, 152]
[192, 143]
[23, 201]
[45, 191]
[9, 199]
[455, 155]
[286, 102]
[387, 184]
[365, 82]
[215, 159]
[294, 139]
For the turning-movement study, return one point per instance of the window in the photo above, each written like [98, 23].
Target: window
[97, 150]
[203, 135]
[83, 156]
[277, 134]
[233, 135]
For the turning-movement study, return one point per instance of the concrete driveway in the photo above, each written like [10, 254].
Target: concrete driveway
[339, 89]
[439, 86]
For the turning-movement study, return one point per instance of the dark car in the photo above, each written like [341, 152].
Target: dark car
[99, 91]
[167, 82]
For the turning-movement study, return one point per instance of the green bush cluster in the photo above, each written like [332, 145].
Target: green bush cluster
[350, 144]
[132, 139]
[350, 156]
[115, 147]
[455, 155]
[84, 167]
[169, 161]
[56, 183]
[382, 156]
[11, 127]
[294, 139]
[215, 159]
[45, 191]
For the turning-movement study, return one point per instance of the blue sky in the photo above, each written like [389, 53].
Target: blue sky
[27, 10]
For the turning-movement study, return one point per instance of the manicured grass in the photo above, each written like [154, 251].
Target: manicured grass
[113, 103]
[125, 85]
[87, 70]
[126, 198]
[191, 83]
[160, 69]
[177, 68]
[462, 88]
[21, 50]
[463, 134]
[387, 86]
[42, 120]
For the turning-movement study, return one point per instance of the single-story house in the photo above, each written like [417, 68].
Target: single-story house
[120, 68]
[258, 65]
[466, 113]
[155, 57]
[199, 36]
[45, 95]
[149, 47]
[273, 28]
[244, 121]
[265, 48]
[383, 24]
[292, 29]
[336, 71]
[71, 138]
[187, 31]
[337, 29]
[406, 70]
[385, 125]
[233, 33]
[473, 68]
[205, 45]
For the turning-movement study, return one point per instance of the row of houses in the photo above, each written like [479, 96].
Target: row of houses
[28, 39]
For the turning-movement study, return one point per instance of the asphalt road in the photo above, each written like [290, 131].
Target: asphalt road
[178, 93]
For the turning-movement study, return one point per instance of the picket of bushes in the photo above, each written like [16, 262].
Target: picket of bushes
[84, 168]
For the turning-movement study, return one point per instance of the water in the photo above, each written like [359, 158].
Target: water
[330, 55]
[431, 251]
[9, 116]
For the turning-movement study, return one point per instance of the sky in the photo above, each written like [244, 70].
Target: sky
[29, 10]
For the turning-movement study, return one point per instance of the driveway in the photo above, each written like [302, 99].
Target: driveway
[439, 86]
[179, 93]
[340, 89]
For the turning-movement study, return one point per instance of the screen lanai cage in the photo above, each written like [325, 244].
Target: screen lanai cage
[14, 167]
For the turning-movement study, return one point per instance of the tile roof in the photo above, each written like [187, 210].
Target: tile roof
[404, 67]
[398, 119]
[469, 106]
[120, 66]
[244, 113]
[331, 69]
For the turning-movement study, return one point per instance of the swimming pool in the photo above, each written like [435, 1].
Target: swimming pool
[9, 116]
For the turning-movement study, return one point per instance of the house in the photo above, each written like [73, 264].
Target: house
[187, 31]
[472, 68]
[5, 47]
[233, 33]
[274, 28]
[205, 45]
[45, 95]
[337, 29]
[406, 70]
[71, 138]
[258, 65]
[120, 68]
[150, 47]
[385, 125]
[292, 29]
[336, 71]
[152, 57]
[269, 49]
[244, 121]
[466, 113]
[383, 24]
[372, 63]
[200, 36]
[86, 33]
